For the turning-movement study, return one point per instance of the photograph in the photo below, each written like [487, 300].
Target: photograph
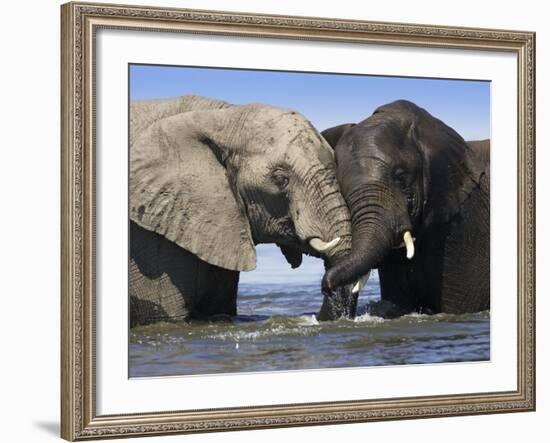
[286, 220]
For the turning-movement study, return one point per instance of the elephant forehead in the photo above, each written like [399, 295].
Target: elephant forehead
[295, 131]
[305, 147]
[286, 134]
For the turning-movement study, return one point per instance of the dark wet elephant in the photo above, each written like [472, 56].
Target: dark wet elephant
[208, 181]
[419, 201]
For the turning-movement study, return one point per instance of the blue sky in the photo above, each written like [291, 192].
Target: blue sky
[326, 100]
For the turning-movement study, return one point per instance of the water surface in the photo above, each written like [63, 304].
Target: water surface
[276, 329]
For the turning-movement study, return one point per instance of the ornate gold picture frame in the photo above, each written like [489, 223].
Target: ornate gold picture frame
[80, 24]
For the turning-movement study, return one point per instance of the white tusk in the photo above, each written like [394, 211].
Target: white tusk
[360, 283]
[320, 246]
[409, 244]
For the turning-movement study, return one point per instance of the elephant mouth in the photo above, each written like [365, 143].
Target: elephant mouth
[312, 246]
[319, 248]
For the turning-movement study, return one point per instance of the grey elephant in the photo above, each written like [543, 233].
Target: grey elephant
[210, 180]
[419, 201]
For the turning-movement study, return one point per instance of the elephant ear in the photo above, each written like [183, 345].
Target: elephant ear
[449, 170]
[333, 135]
[179, 188]
[480, 156]
[144, 113]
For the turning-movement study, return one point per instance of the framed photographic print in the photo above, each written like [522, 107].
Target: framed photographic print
[283, 221]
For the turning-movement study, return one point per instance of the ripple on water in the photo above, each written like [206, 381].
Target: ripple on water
[267, 335]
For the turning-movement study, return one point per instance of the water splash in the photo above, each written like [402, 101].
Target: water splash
[277, 329]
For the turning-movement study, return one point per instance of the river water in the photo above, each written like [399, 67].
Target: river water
[276, 330]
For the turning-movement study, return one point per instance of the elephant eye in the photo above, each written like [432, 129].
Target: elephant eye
[280, 180]
[401, 177]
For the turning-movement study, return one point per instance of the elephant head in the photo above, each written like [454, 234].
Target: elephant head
[216, 179]
[402, 173]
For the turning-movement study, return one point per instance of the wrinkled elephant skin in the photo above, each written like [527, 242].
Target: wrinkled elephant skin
[419, 201]
[210, 180]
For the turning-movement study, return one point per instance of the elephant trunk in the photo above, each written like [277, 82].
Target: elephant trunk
[343, 301]
[322, 218]
[340, 280]
[367, 251]
[332, 223]
[380, 222]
